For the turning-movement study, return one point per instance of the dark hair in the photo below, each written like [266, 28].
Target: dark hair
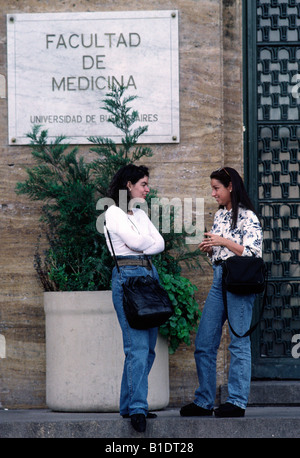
[126, 173]
[239, 196]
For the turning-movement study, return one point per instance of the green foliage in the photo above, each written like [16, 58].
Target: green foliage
[64, 183]
[77, 258]
[110, 156]
[186, 309]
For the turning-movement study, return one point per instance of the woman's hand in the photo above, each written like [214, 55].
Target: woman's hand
[212, 240]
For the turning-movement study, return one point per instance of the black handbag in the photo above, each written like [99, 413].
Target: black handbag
[244, 275]
[146, 303]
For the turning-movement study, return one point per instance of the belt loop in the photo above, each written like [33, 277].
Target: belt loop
[149, 260]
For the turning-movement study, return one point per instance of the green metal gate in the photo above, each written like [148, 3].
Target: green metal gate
[272, 173]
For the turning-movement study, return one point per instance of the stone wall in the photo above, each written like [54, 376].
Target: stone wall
[211, 135]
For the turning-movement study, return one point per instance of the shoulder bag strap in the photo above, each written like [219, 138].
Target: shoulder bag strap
[112, 248]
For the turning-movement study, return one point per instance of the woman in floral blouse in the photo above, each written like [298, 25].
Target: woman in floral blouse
[236, 231]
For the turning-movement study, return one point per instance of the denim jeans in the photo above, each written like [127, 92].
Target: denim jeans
[139, 347]
[208, 341]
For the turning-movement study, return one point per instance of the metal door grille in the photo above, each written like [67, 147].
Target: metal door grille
[277, 117]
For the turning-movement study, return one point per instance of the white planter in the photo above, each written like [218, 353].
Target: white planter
[84, 355]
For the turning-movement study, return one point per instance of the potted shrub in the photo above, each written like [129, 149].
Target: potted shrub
[84, 353]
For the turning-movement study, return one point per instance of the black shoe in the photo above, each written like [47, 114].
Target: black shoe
[149, 415]
[192, 410]
[138, 422]
[229, 410]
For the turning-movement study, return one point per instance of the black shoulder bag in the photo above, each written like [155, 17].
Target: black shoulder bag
[244, 275]
[146, 303]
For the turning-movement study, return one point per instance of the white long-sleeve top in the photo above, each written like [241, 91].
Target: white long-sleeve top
[132, 234]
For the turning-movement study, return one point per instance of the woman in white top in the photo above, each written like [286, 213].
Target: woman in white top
[236, 231]
[134, 239]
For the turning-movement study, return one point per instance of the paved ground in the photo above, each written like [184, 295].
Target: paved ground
[259, 422]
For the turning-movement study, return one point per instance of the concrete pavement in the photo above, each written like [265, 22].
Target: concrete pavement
[259, 422]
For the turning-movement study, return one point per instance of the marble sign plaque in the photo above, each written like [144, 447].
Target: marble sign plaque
[62, 65]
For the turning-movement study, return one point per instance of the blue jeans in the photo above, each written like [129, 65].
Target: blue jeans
[139, 347]
[208, 341]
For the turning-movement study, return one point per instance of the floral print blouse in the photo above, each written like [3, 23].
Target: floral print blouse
[248, 232]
